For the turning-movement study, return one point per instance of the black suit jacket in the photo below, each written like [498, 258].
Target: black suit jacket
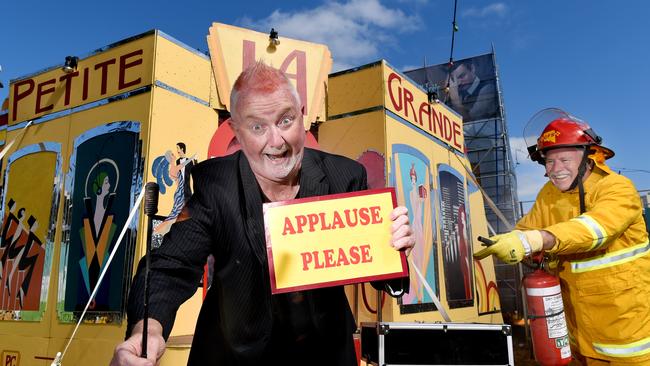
[225, 219]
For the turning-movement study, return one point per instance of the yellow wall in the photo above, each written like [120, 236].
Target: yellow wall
[36, 333]
[183, 69]
[353, 135]
[355, 91]
[378, 131]
[177, 119]
[165, 118]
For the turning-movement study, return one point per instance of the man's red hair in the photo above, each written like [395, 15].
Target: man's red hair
[259, 78]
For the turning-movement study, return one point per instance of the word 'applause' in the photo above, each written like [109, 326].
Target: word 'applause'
[321, 221]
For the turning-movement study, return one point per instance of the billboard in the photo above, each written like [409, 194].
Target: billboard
[472, 89]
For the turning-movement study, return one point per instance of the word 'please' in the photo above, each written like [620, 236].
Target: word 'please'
[331, 258]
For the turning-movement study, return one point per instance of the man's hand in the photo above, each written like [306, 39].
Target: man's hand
[128, 352]
[454, 95]
[402, 238]
[512, 247]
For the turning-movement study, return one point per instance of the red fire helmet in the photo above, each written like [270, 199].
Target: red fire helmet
[564, 130]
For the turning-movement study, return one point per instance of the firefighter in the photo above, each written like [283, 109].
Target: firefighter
[590, 219]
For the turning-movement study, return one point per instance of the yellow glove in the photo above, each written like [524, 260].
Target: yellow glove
[512, 247]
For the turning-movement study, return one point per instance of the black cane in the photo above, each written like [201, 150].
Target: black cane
[150, 209]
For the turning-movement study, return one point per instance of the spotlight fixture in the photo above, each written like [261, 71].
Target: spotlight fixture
[273, 38]
[432, 93]
[70, 64]
[432, 96]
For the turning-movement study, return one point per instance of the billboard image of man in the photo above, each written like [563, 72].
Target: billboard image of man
[469, 95]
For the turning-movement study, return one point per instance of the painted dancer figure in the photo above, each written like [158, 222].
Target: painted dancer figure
[98, 228]
[417, 199]
[180, 172]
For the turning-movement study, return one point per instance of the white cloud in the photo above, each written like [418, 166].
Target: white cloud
[354, 31]
[420, 2]
[530, 175]
[492, 10]
[410, 67]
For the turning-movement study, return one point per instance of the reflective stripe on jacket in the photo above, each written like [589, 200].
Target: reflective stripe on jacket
[604, 264]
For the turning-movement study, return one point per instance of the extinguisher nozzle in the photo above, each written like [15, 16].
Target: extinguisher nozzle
[486, 242]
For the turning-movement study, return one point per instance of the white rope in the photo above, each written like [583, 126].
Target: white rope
[491, 229]
[59, 355]
[9, 145]
[487, 198]
[442, 310]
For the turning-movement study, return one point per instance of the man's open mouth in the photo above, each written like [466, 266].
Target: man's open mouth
[273, 157]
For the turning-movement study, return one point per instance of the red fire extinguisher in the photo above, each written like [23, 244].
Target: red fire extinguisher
[547, 321]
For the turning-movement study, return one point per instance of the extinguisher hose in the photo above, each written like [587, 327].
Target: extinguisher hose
[533, 316]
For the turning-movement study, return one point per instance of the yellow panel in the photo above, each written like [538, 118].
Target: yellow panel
[307, 64]
[182, 69]
[177, 119]
[87, 348]
[25, 349]
[355, 91]
[175, 355]
[409, 195]
[120, 69]
[53, 131]
[173, 118]
[135, 108]
[352, 136]
[400, 131]
[215, 101]
[43, 164]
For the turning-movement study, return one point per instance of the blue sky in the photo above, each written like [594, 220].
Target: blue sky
[588, 57]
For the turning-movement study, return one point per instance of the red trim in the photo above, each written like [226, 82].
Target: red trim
[205, 280]
[4, 119]
[367, 304]
[387, 276]
[328, 197]
[269, 244]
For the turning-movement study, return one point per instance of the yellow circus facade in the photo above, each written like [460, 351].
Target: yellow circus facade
[82, 143]
[380, 118]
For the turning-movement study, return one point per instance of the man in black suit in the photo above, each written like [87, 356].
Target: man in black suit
[240, 322]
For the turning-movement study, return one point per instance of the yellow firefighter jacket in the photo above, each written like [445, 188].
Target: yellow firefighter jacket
[604, 265]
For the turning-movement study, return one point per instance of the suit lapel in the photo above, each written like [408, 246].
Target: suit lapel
[312, 177]
[253, 215]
